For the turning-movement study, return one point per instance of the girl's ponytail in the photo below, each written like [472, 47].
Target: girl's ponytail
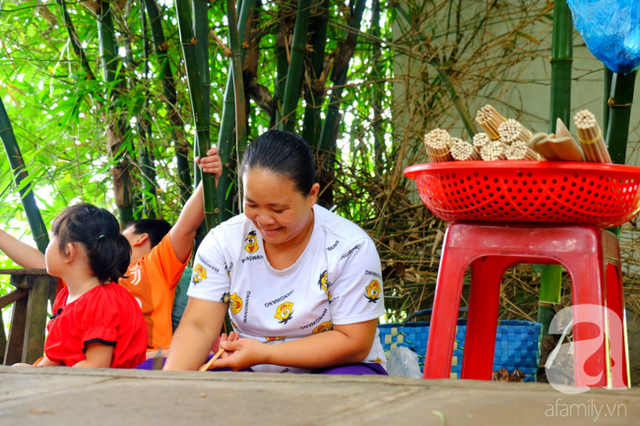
[108, 252]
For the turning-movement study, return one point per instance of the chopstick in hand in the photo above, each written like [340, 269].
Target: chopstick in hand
[212, 360]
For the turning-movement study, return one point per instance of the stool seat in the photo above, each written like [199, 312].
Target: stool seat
[590, 255]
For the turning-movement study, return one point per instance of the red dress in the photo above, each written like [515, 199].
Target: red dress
[106, 314]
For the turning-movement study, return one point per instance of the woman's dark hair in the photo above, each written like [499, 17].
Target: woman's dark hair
[156, 229]
[282, 153]
[108, 252]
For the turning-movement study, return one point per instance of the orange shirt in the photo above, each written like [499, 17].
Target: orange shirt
[152, 280]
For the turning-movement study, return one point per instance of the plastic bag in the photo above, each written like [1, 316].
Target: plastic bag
[611, 30]
[403, 362]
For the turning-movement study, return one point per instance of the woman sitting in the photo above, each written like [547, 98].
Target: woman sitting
[303, 286]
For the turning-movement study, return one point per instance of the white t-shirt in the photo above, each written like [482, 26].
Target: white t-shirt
[336, 280]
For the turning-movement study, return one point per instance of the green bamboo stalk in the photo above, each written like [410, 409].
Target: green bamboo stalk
[282, 63]
[38, 230]
[238, 85]
[201, 31]
[463, 113]
[149, 194]
[620, 102]
[560, 107]
[75, 41]
[169, 91]
[314, 95]
[109, 59]
[296, 67]
[202, 121]
[376, 90]
[226, 142]
[339, 77]
[608, 76]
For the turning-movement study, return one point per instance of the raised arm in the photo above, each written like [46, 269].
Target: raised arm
[21, 253]
[184, 231]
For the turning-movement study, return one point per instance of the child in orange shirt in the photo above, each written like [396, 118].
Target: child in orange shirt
[159, 254]
[96, 322]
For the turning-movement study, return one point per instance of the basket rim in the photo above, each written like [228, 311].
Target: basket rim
[411, 172]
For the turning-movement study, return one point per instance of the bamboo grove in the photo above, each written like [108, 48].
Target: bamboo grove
[110, 101]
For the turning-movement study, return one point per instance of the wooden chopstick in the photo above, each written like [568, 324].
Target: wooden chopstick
[212, 360]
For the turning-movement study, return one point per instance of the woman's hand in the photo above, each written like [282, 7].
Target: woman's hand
[233, 336]
[241, 354]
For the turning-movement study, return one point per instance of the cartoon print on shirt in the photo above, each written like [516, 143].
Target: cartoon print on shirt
[373, 291]
[225, 297]
[325, 326]
[228, 268]
[275, 338]
[377, 360]
[235, 303]
[235, 327]
[252, 242]
[199, 273]
[322, 281]
[284, 312]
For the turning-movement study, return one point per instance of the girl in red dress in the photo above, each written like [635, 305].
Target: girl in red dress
[96, 323]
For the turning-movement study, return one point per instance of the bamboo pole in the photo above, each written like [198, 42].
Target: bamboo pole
[296, 66]
[282, 60]
[122, 187]
[339, 77]
[457, 102]
[561, 63]
[38, 229]
[145, 149]
[620, 102]
[238, 87]
[314, 92]
[226, 142]
[75, 41]
[376, 91]
[201, 32]
[202, 121]
[608, 76]
[169, 91]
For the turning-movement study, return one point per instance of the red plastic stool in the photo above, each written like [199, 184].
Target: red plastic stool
[590, 255]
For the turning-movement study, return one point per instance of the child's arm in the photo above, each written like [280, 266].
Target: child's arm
[46, 362]
[184, 231]
[98, 356]
[21, 253]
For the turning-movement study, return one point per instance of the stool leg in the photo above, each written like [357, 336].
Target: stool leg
[482, 322]
[444, 318]
[614, 301]
[587, 279]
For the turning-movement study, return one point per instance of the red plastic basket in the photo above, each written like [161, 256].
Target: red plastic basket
[606, 195]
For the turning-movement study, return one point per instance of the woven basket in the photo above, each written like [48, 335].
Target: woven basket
[517, 344]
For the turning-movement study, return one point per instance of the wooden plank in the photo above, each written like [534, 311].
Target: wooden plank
[20, 281]
[13, 353]
[3, 340]
[8, 299]
[33, 347]
[23, 272]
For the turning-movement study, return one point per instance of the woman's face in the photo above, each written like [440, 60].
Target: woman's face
[275, 206]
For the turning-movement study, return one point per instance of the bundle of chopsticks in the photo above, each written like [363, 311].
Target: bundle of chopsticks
[504, 139]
